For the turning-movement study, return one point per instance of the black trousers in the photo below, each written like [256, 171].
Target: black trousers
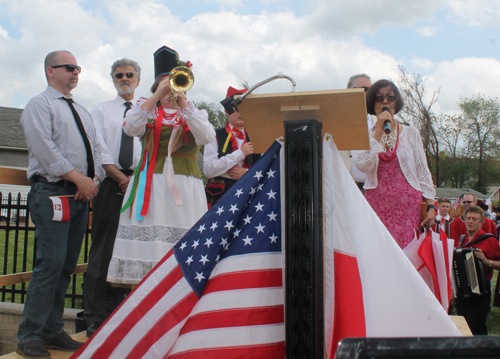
[474, 311]
[106, 215]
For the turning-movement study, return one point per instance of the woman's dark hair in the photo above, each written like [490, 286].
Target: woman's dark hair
[372, 93]
[155, 85]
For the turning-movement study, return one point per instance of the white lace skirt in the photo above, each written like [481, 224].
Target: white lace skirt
[140, 245]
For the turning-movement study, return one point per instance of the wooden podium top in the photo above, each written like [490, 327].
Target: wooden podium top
[342, 112]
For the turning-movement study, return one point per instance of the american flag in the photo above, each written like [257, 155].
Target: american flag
[218, 293]
[458, 201]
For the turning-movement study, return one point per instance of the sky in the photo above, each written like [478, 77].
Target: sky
[453, 44]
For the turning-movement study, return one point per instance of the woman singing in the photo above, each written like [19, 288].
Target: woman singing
[398, 178]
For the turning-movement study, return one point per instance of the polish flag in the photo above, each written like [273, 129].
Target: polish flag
[371, 287]
[432, 255]
[61, 209]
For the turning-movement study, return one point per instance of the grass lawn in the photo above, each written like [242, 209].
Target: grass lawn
[15, 263]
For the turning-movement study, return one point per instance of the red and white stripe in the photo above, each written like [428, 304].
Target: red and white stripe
[240, 310]
[61, 209]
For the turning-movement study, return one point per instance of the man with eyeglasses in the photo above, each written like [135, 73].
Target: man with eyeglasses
[120, 156]
[458, 226]
[357, 81]
[64, 169]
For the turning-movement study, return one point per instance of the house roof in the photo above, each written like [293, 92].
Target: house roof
[12, 133]
[453, 193]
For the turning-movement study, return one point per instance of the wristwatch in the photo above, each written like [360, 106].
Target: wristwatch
[97, 182]
[429, 206]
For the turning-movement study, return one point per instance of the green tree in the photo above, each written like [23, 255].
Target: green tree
[418, 112]
[216, 115]
[482, 116]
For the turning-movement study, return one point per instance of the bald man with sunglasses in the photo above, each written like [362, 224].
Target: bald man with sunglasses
[65, 170]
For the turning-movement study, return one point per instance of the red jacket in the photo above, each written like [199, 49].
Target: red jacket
[457, 228]
[490, 248]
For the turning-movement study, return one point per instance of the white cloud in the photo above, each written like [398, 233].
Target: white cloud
[221, 45]
[464, 78]
[480, 13]
[427, 31]
[424, 64]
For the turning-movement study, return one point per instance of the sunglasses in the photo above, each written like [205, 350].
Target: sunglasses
[69, 68]
[129, 75]
[467, 202]
[381, 98]
[363, 87]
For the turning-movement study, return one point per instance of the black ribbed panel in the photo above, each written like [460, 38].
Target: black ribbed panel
[304, 240]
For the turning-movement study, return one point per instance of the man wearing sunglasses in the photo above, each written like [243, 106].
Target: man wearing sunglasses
[357, 81]
[64, 169]
[120, 156]
[458, 227]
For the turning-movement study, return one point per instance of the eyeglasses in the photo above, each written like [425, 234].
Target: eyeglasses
[467, 202]
[381, 98]
[363, 87]
[69, 68]
[129, 75]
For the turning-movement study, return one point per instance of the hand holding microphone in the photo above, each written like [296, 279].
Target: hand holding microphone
[387, 123]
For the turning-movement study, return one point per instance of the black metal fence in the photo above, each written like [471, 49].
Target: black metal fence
[18, 250]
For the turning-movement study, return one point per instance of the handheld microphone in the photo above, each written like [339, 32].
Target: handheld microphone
[387, 124]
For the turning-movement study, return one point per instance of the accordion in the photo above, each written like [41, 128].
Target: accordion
[468, 274]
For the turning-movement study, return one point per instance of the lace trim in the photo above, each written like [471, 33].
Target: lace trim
[151, 233]
[411, 157]
[128, 271]
[150, 114]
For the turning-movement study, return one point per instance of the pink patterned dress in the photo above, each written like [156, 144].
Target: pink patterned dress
[396, 202]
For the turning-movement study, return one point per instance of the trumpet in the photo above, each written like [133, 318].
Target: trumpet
[181, 79]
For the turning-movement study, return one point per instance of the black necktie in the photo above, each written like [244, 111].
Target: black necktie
[125, 157]
[78, 120]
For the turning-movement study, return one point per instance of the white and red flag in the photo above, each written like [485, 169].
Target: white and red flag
[219, 292]
[372, 289]
[432, 257]
[61, 209]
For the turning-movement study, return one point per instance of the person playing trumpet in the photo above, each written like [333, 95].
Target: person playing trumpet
[165, 196]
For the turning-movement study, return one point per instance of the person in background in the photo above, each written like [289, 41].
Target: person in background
[228, 156]
[397, 177]
[458, 227]
[475, 308]
[443, 219]
[120, 156]
[357, 81]
[165, 196]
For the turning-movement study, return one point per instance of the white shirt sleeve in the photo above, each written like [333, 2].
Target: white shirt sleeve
[214, 166]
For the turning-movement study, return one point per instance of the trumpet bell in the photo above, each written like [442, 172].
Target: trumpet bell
[181, 79]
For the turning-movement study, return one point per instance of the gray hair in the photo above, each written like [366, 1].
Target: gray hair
[125, 63]
[352, 80]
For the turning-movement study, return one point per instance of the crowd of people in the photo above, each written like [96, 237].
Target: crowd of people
[136, 159]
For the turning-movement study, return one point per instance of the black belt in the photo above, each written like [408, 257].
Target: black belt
[62, 183]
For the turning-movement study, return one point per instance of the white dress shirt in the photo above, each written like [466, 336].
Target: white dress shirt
[108, 120]
[213, 166]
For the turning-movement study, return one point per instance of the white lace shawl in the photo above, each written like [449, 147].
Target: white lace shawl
[411, 158]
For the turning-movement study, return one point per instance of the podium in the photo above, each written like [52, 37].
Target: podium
[300, 118]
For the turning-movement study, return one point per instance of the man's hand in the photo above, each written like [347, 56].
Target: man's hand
[87, 189]
[124, 184]
[247, 149]
[236, 172]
